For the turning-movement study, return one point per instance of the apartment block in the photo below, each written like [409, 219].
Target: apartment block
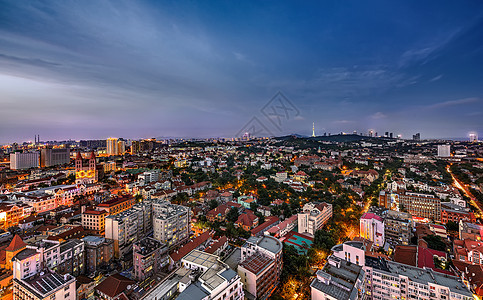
[260, 265]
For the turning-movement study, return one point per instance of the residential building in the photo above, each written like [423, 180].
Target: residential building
[468, 251]
[338, 280]
[444, 150]
[25, 160]
[99, 252]
[45, 285]
[113, 287]
[50, 157]
[94, 220]
[313, 217]
[117, 205]
[351, 251]
[397, 227]
[470, 231]
[372, 228]
[123, 229]
[71, 258]
[216, 279]
[417, 204]
[112, 147]
[392, 280]
[149, 257]
[171, 222]
[455, 213]
[260, 265]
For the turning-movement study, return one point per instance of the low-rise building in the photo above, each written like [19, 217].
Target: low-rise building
[313, 217]
[338, 280]
[215, 280]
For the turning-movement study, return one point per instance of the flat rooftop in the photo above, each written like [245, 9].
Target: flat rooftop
[47, 282]
[256, 263]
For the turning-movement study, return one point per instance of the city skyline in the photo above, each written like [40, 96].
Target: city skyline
[92, 70]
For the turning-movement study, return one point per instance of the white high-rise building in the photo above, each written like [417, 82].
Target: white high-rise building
[24, 160]
[444, 150]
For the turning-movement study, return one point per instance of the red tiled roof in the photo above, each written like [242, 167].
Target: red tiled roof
[114, 285]
[268, 221]
[16, 244]
[187, 248]
[216, 245]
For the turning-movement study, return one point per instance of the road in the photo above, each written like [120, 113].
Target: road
[460, 185]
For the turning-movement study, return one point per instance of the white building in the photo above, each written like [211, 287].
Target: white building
[216, 279]
[391, 280]
[313, 217]
[171, 223]
[26, 160]
[33, 277]
[444, 150]
[372, 228]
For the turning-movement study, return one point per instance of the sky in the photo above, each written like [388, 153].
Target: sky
[93, 69]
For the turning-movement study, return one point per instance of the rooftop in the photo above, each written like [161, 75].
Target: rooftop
[147, 245]
[256, 263]
[45, 283]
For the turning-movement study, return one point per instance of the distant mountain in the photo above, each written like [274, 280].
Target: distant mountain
[338, 138]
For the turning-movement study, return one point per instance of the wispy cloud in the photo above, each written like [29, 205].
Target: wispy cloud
[436, 78]
[378, 115]
[453, 103]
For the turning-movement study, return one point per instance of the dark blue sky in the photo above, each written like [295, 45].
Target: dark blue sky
[93, 69]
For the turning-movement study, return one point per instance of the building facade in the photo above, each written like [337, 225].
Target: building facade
[25, 160]
[261, 265]
[313, 217]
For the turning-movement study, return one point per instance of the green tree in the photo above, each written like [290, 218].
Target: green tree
[232, 215]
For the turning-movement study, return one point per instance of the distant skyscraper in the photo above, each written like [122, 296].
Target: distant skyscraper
[112, 147]
[473, 137]
[313, 129]
[121, 147]
[444, 150]
[417, 136]
[371, 133]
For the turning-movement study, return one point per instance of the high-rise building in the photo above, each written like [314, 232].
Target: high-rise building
[25, 160]
[112, 146]
[53, 157]
[121, 147]
[417, 137]
[171, 223]
[444, 150]
[473, 137]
